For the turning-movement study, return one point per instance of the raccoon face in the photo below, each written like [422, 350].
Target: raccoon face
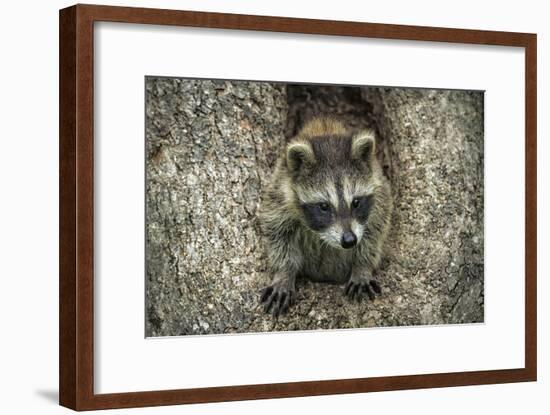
[339, 225]
[333, 186]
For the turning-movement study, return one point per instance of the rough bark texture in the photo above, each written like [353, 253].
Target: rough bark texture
[435, 255]
[211, 147]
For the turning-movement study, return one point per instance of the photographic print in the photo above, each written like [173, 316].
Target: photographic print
[281, 206]
[307, 207]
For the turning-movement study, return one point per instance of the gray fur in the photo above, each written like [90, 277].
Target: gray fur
[324, 164]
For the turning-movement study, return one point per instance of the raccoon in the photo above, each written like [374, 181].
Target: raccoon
[326, 214]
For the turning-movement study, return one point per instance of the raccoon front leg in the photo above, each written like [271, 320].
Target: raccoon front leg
[361, 283]
[280, 295]
[285, 259]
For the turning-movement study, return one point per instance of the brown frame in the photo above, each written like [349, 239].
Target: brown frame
[76, 215]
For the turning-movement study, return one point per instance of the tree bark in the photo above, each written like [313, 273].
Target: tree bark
[211, 148]
[435, 261]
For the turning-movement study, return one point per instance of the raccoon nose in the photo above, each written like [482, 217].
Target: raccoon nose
[348, 240]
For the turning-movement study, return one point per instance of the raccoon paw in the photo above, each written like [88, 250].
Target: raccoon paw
[354, 290]
[277, 299]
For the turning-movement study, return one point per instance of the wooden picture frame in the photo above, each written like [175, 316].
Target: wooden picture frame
[76, 178]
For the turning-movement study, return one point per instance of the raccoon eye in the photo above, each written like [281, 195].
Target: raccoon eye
[324, 207]
[355, 202]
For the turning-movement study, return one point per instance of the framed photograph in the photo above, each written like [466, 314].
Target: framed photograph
[258, 207]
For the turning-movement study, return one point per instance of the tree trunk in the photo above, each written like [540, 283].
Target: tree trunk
[211, 148]
[435, 261]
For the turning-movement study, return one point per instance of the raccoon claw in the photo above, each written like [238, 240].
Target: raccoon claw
[354, 290]
[277, 300]
[376, 287]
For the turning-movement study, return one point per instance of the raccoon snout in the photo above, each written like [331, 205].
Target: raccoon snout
[349, 240]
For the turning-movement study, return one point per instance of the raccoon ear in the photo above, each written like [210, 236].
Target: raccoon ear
[299, 154]
[362, 145]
